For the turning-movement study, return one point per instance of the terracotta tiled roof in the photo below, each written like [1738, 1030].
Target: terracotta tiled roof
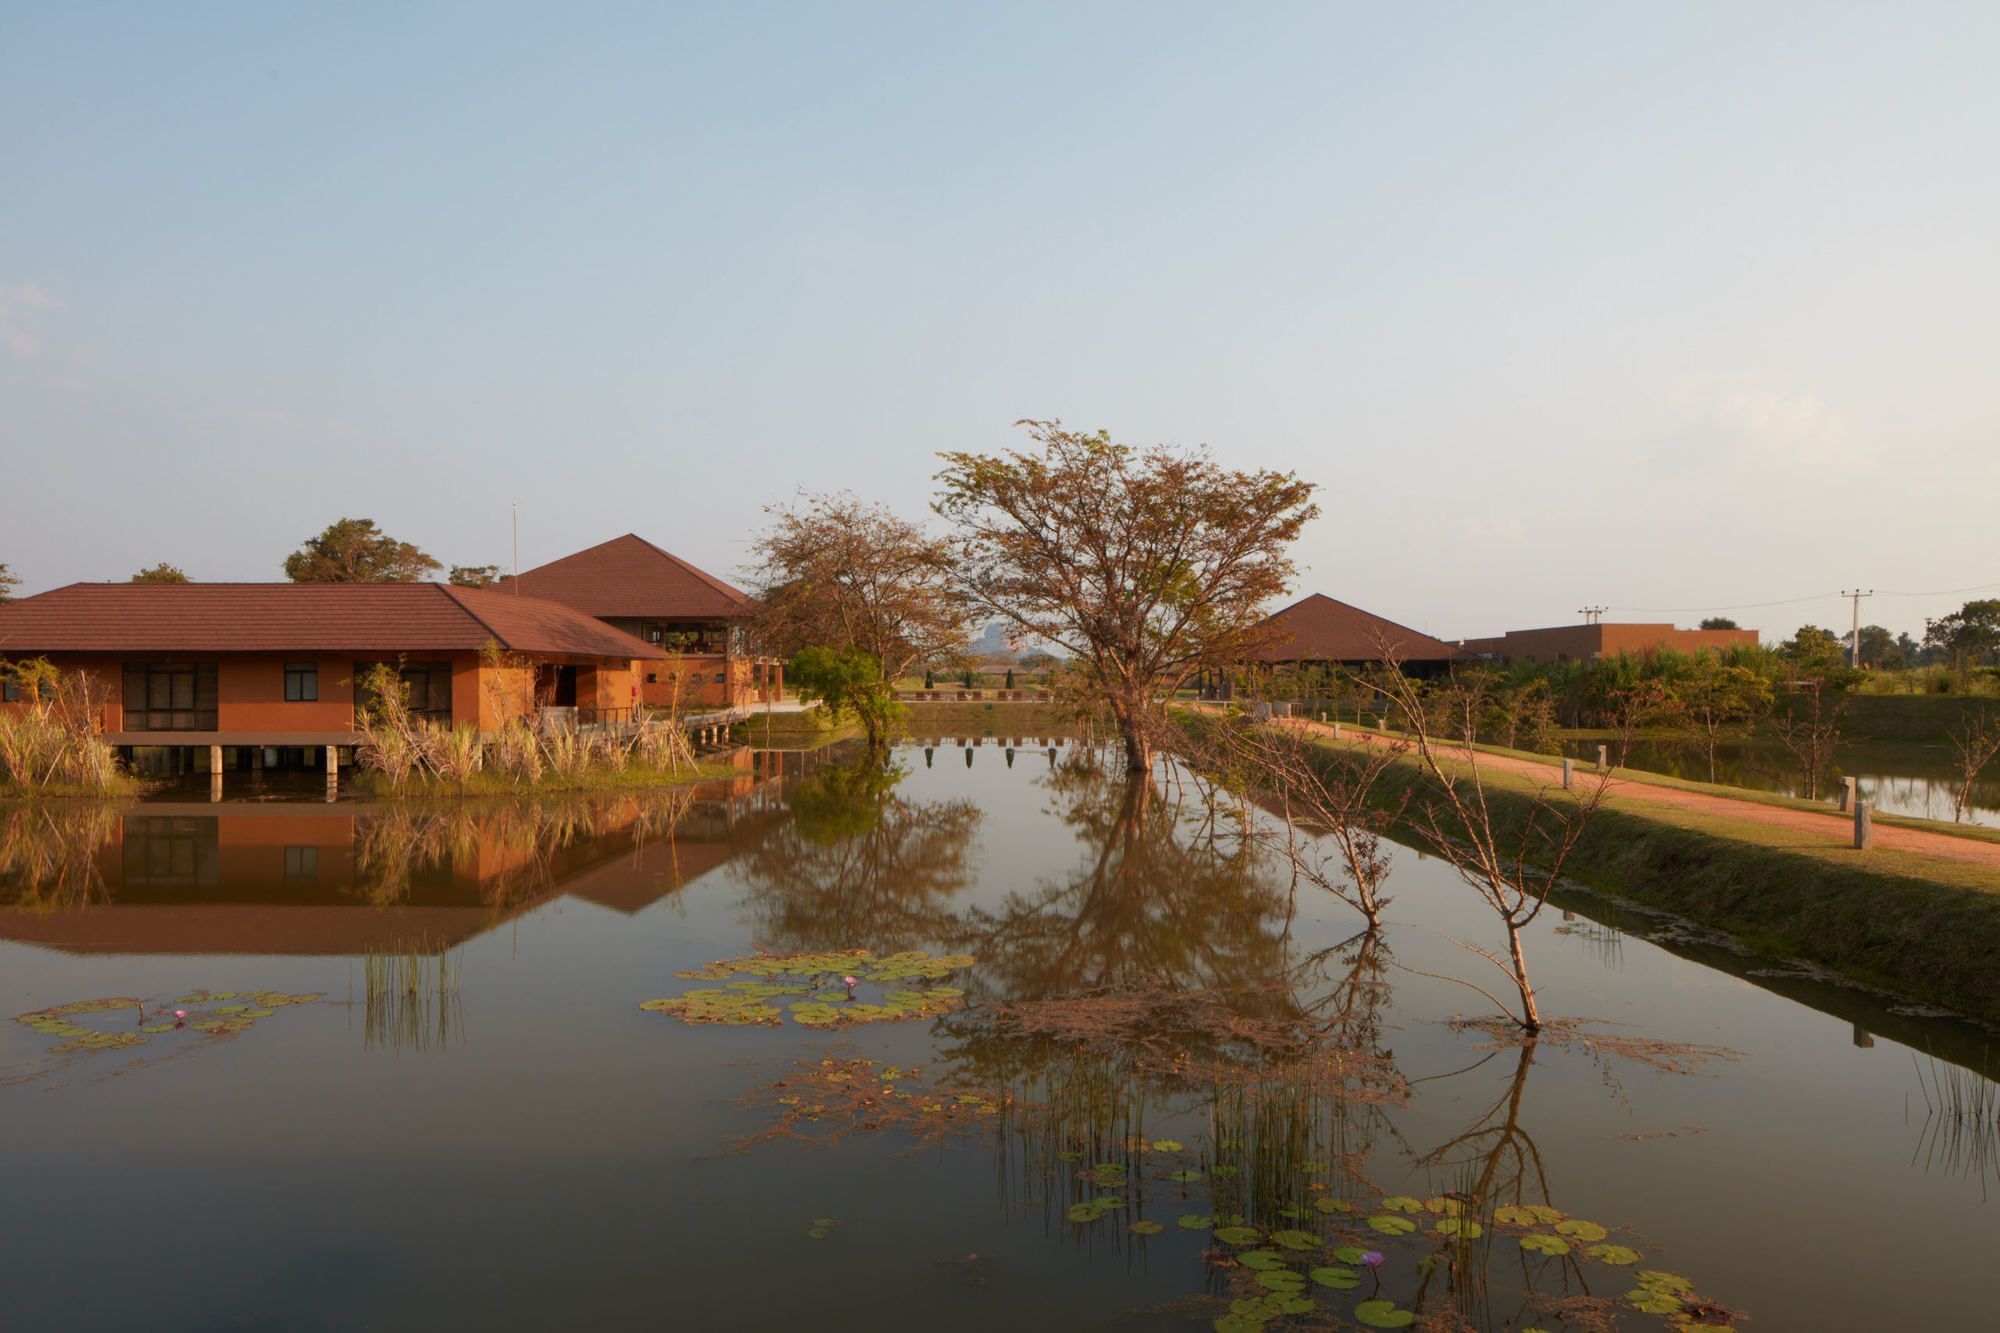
[301, 617]
[630, 578]
[1319, 629]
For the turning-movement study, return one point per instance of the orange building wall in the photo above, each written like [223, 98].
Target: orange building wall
[1581, 643]
[251, 691]
[251, 695]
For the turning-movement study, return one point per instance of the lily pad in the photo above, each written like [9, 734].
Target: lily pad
[1390, 1225]
[1262, 1261]
[1281, 1279]
[1459, 1226]
[1652, 1301]
[1238, 1235]
[1618, 1255]
[1401, 1203]
[1184, 1176]
[1581, 1230]
[1340, 1279]
[1195, 1222]
[1527, 1215]
[1382, 1314]
[1295, 1240]
[1326, 1203]
[1146, 1227]
[1659, 1281]
[1166, 1145]
[1540, 1242]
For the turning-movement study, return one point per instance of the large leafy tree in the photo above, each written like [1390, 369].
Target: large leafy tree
[848, 681]
[1148, 565]
[834, 572]
[473, 576]
[354, 550]
[9, 581]
[1968, 635]
[161, 573]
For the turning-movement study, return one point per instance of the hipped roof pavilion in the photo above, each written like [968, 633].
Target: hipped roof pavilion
[629, 578]
[303, 617]
[1319, 629]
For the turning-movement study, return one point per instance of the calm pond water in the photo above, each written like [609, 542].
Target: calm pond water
[1899, 779]
[526, 1148]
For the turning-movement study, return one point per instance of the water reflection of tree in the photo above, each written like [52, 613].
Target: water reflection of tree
[1153, 902]
[52, 855]
[858, 865]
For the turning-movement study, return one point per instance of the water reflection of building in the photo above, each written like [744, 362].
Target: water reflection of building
[281, 878]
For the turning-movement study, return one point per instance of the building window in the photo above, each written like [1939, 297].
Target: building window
[301, 864]
[10, 689]
[720, 678]
[652, 678]
[301, 682]
[426, 688]
[170, 696]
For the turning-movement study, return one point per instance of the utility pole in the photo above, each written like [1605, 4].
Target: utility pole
[1592, 614]
[1854, 641]
[517, 548]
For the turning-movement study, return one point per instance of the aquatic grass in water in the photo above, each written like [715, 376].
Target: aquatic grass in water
[411, 996]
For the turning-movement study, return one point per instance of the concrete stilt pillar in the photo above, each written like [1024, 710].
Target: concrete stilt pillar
[215, 772]
[1864, 825]
[332, 772]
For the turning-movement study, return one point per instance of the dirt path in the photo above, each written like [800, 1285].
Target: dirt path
[1835, 828]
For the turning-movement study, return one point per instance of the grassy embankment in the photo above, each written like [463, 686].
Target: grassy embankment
[1920, 925]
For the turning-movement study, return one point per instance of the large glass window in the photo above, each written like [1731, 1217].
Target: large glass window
[426, 685]
[170, 696]
[301, 682]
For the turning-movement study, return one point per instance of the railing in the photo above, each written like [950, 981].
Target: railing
[974, 696]
[567, 717]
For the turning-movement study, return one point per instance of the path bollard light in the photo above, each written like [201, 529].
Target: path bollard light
[1336, 731]
[1864, 825]
[1569, 773]
[1604, 759]
[1848, 792]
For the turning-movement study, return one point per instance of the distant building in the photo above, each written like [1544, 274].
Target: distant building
[1583, 643]
[1318, 630]
[274, 667]
[661, 599]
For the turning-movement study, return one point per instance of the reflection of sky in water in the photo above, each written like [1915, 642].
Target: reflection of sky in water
[555, 1164]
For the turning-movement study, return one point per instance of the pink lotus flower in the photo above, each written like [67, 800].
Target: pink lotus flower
[852, 982]
[1373, 1258]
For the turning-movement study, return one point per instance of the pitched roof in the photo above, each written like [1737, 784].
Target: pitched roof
[1319, 629]
[301, 617]
[630, 578]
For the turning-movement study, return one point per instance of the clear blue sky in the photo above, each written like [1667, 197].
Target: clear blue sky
[1674, 306]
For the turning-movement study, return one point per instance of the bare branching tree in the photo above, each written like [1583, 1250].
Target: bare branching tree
[1325, 791]
[1512, 864]
[1809, 729]
[1977, 741]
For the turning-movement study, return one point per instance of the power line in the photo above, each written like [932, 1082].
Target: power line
[1793, 601]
